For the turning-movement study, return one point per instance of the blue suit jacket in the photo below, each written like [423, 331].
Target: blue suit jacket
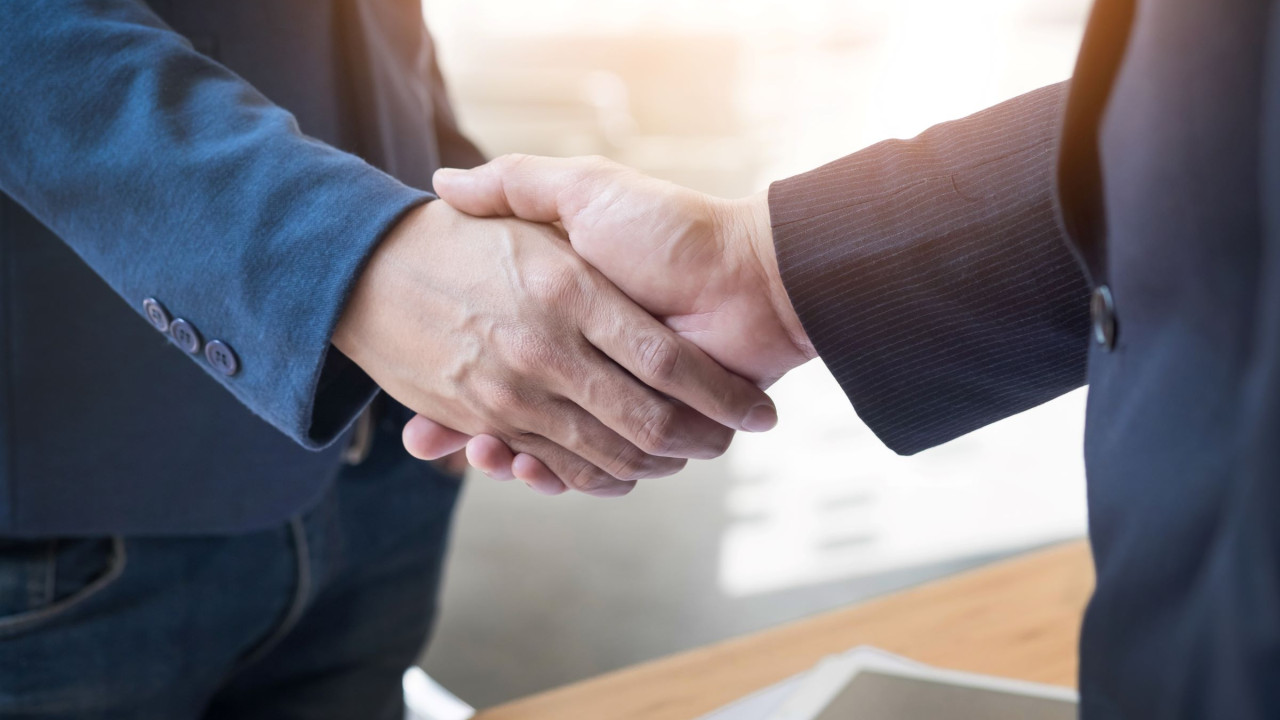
[186, 151]
[1125, 230]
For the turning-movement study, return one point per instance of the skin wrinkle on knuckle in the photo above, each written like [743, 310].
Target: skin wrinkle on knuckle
[586, 478]
[509, 163]
[629, 463]
[573, 198]
[656, 432]
[610, 182]
[658, 357]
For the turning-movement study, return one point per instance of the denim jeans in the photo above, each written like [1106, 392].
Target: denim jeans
[317, 618]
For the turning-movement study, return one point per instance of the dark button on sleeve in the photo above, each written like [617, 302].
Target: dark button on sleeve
[186, 335]
[222, 357]
[156, 314]
[1103, 309]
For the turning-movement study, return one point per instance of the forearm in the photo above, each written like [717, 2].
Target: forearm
[932, 277]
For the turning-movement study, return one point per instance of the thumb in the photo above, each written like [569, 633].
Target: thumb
[477, 192]
[538, 189]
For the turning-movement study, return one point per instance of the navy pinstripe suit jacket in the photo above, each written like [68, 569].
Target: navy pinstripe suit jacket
[946, 282]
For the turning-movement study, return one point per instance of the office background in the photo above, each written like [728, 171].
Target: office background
[725, 97]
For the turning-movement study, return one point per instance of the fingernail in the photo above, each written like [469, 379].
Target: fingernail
[762, 418]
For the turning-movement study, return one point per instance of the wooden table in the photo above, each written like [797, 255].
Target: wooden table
[1018, 619]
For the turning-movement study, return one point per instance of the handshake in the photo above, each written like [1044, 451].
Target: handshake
[575, 324]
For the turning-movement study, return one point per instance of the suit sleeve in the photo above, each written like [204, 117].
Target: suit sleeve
[933, 277]
[173, 178]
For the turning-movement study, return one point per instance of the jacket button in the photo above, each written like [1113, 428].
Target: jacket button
[1103, 309]
[186, 335]
[222, 357]
[156, 314]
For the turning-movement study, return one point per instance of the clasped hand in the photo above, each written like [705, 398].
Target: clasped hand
[638, 336]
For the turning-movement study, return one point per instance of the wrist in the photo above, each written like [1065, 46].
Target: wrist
[351, 334]
[749, 228]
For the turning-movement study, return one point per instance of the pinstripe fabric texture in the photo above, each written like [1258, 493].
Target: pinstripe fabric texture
[933, 277]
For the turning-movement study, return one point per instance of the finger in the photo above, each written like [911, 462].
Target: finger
[578, 431]
[491, 456]
[539, 189]
[653, 423]
[536, 475]
[574, 472]
[674, 366]
[427, 439]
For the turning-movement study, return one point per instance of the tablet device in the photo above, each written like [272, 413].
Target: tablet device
[880, 695]
[847, 690]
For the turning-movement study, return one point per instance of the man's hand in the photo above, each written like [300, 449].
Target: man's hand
[705, 266]
[498, 328]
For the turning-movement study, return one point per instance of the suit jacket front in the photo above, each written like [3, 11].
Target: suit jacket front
[187, 151]
[946, 281]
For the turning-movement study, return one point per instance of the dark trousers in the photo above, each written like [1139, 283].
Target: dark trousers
[317, 618]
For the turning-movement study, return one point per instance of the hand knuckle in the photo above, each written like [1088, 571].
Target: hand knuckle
[556, 287]
[659, 356]
[657, 431]
[534, 353]
[510, 161]
[588, 478]
[630, 464]
[499, 396]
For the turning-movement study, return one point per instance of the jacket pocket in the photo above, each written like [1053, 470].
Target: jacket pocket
[43, 580]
